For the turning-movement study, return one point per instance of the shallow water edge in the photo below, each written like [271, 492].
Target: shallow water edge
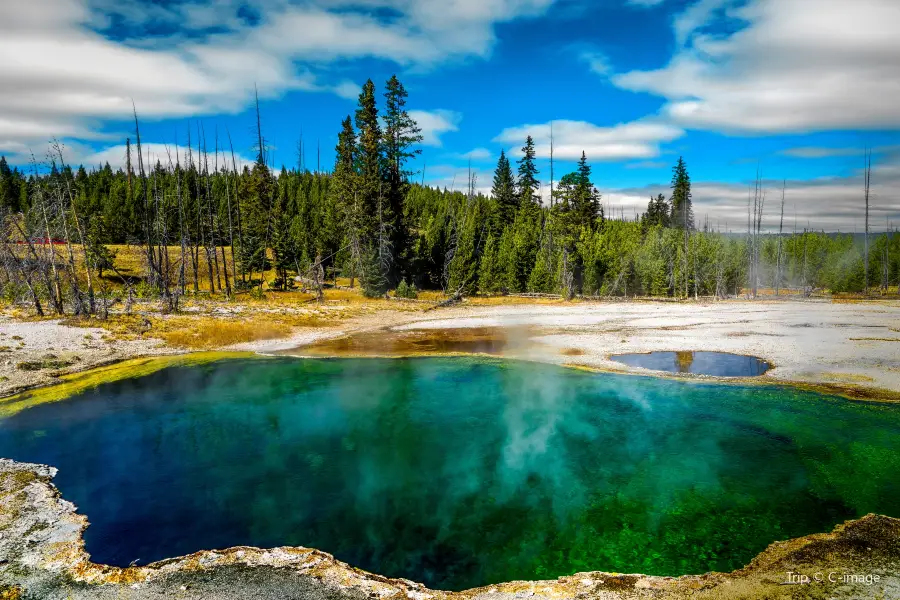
[75, 383]
[42, 556]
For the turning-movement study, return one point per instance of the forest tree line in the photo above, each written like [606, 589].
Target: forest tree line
[198, 216]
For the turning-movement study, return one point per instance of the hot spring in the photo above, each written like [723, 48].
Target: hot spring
[458, 472]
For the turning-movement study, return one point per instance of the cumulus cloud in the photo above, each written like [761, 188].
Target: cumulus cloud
[596, 62]
[794, 66]
[636, 139]
[64, 72]
[153, 152]
[435, 123]
[478, 154]
[827, 152]
[830, 204]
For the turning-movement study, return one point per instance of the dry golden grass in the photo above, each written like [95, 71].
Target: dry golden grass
[572, 352]
[209, 332]
[200, 334]
[509, 300]
[847, 377]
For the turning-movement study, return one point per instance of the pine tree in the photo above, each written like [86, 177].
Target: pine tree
[284, 250]
[541, 279]
[528, 183]
[526, 241]
[488, 272]
[345, 196]
[504, 193]
[375, 211]
[463, 269]
[369, 159]
[682, 212]
[374, 282]
[9, 195]
[586, 200]
[256, 206]
[507, 264]
[401, 132]
[99, 255]
[658, 212]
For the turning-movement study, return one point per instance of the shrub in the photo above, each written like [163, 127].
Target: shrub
[406, 291]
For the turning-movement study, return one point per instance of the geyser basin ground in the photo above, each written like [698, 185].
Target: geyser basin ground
[459, 472]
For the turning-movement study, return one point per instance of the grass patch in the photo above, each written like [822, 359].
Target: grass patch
[510, 300]
[572, 352]
[201, 333]
[39, 365]
[850, 377]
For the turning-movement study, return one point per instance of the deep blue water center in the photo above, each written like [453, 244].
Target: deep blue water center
[458, 472]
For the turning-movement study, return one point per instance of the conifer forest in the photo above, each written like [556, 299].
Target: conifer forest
[204, 222]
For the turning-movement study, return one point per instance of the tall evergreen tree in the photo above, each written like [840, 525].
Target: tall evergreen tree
[345, 194]
[369, 158]
[488, 272]
[658, 212]
[376, 250]
[401, 132]
[528, 183]
[682, 215]
[586, 207]
[504, 192]
[284, 249]
[9, 193]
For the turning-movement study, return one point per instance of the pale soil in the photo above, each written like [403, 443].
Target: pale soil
[851, 344]
[809, 342]
[83, 347]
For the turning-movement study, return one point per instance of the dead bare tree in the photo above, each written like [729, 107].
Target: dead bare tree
[238, 203]
[778, 259]
[182, 234]
[153, 274]
[40, 197]
[66, 202]
[868, 180]
[11, 260]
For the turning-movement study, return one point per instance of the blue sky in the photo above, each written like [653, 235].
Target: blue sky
[798, 87]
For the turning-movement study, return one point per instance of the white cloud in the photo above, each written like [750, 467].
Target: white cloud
[827, 152]
[694, 17]
[645, 3]
[478, 154]
[597, 62]
[832, 203]
[434, 123]
[636, 139]
[347, 90]
[797, 66]
[153, 152]
[61, 77]
[820, 152]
